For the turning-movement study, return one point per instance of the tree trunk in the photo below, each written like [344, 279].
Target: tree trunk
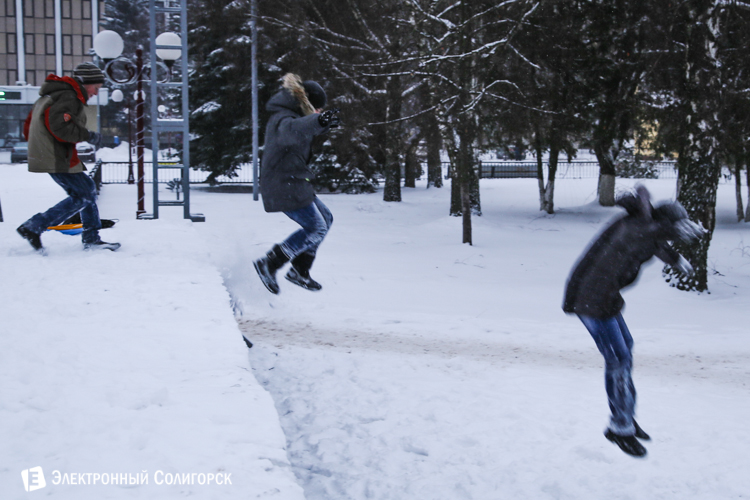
[465, 131]
[699, 169]
[738, 188]
[466, 208]
[539, 167]
[433, 141]
[606, 174]
[455, 210]
[392, 188]
[411, 166]
[548, 202]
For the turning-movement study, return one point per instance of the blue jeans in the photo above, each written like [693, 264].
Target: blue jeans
[81, 198]
[614, 341]
[315, 220]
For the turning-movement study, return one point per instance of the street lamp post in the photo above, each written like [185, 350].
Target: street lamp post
[108, 45]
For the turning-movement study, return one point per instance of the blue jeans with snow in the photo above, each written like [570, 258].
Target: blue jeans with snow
[81, 198]
[614, 341]
[315, 220]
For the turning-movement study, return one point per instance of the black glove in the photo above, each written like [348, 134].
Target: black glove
[330, 118]
[94, 138]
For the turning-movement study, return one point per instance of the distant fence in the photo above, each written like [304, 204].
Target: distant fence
[117, 172]
[565, 170]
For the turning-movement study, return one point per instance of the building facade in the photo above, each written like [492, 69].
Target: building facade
[39, 37]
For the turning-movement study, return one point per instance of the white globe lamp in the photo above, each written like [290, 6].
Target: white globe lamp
[169, 56]
[108, 45]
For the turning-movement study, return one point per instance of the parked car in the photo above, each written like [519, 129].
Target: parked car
[20, 152]
[86, 152]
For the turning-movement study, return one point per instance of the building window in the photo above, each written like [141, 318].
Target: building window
[29, 41]
[10, 43]
[31, 77]
[10, 10]
[49, 8]
[49, 45]
[67, 43]
[12, 76]
[67, 9]
[28, 8]
[86, 9]
[86, 44]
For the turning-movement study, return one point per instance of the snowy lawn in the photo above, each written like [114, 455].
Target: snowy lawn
[123, 364]
[424, 369]
[431, 369]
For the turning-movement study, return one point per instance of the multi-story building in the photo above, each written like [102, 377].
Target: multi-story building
[39, 37]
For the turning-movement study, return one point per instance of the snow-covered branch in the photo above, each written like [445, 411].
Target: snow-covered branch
[415, 115]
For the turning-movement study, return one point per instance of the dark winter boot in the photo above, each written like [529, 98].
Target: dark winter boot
[34, 239]
[299, 274]
[640, 433]
[267, 266]
[628, 444]
[101, 245]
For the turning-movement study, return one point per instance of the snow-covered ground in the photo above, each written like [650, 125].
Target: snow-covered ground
[431, 369]
[115, 367]
[425, 368]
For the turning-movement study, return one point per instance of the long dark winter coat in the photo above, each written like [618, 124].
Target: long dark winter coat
[284, 173]
[56, 123]
[614, 260]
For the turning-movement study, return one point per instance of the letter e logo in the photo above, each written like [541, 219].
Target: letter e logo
[33, 479]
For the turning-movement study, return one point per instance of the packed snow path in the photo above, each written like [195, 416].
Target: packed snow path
[371, 415]
[729, 368]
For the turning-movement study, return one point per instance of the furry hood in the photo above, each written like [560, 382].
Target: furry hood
[293, 84]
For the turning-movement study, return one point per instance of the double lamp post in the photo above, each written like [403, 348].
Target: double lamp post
[121, 71]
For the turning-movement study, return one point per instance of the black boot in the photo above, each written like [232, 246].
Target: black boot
[640, 433]
[299, 274]
[628, 444]
[268, 265]
[34, 239]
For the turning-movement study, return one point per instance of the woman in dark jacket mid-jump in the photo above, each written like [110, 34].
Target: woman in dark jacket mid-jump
[611, 263]
[297, 119]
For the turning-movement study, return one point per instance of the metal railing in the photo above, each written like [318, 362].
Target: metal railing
[565, 170]
[117, 173]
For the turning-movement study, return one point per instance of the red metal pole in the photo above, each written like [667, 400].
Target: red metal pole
[139, 131]
[131, 178]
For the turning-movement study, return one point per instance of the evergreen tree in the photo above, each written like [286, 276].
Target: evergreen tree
[220, 86]
[130, 20]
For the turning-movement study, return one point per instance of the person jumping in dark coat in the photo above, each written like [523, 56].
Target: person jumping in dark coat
[297, 119]
[611, 263]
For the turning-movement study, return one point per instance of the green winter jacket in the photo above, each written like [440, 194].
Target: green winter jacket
[56, 123]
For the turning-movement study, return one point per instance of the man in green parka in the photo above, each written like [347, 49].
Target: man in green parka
[56, 123]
